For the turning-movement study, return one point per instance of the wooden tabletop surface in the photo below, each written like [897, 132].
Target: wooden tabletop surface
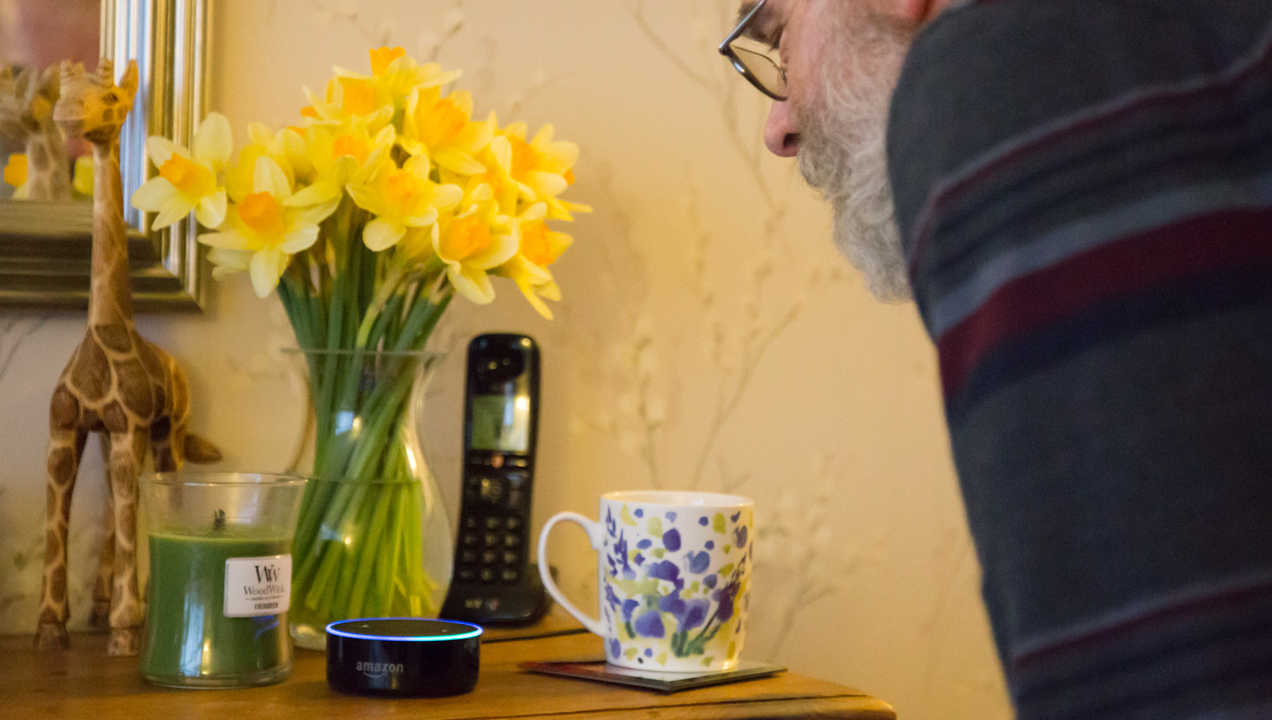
[84, 683]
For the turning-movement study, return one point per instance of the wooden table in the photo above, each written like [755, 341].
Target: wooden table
[83, 683]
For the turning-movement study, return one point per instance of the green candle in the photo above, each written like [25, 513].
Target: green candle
[189, 639]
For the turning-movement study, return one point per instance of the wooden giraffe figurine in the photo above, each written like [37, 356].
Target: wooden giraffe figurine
[26, 116]
[116, 383]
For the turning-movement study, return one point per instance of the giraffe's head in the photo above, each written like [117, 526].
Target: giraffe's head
[93, 106]
[27, 100]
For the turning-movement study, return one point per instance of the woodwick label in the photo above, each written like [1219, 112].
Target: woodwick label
[257, 586]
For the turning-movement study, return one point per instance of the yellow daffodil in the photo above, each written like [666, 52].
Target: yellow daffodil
[262, 231]
[534, 282]
[539, 248]
[341, 155]
[83, 176]
[442, 129]
[415, 248]
[544, 166]
[15, 174]
[188, 182]
[394, 74]
[362, 101]
[227, 262]
[401, 198]
[437, 194]
[497, 159]
[285, 147]
[472, 243]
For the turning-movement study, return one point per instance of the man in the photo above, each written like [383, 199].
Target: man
[1083, 215]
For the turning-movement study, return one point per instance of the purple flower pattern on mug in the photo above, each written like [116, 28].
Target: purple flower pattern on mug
[699, 562]
[688, 604]
[650, 625]
[620, 560]
[629, 607]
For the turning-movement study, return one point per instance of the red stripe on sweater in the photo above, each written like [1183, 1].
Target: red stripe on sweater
[1078, 643]
[1135, 264]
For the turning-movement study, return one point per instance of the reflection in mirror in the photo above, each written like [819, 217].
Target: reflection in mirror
[35, 36]
[45, 245]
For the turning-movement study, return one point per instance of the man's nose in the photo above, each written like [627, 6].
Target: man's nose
[781, 132]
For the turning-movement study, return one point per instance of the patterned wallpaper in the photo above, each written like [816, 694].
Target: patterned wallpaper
[709, 338]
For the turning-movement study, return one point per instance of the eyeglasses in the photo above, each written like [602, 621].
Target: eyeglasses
[756, 62]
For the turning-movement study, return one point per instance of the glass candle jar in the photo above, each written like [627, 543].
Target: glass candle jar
[220, 578]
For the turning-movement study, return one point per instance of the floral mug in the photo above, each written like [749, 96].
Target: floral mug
[674, 578]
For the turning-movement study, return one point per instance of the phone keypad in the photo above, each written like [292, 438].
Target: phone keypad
[492, 531]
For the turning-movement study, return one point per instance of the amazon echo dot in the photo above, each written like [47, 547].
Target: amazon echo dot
[405, 657]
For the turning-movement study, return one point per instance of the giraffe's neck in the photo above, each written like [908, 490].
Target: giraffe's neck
[110, 294]
[48, 177]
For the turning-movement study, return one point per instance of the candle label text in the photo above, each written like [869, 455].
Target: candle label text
[257, 586]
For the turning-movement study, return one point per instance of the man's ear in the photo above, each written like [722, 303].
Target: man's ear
[917, 11]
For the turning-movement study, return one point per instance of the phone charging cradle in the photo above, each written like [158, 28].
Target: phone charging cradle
[403, 657]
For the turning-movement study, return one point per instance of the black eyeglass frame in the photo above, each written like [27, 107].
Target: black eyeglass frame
[726, 49]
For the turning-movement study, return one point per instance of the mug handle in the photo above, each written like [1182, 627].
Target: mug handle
[596, 537]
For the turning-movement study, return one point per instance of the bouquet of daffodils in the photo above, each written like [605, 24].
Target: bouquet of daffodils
[367, 216]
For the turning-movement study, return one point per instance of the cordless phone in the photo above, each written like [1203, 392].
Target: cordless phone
[493, 581]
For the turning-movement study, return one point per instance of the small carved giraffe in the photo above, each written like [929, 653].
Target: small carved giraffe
[116, 383]
[26, 116]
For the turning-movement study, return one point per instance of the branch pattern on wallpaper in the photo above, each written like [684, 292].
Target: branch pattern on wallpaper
[14, 331]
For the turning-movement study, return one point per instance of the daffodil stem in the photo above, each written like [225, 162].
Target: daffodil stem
[375, 312]
[384, 321]
[389, 569]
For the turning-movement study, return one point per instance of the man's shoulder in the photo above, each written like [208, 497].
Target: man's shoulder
[1130, 164]
[985, 74]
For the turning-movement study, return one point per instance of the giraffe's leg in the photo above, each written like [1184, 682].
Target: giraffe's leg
[100, 618]
[127, 451]
[66, 445]
[167, 443]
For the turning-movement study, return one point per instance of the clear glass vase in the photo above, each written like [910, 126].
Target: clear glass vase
[373, 539]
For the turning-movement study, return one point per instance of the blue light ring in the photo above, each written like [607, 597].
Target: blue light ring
[477, 630]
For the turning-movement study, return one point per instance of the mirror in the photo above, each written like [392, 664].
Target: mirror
[45, 245]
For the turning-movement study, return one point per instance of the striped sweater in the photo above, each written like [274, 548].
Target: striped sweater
[1084, 192]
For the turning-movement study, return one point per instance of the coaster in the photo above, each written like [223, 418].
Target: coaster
[666, 682]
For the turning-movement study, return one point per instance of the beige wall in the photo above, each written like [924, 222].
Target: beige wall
[710, 337]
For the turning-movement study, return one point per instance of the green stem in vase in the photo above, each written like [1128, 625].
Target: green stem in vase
[355, 541]
[332, 570]
[421, 601]
[385, 320]
[383, 415]
[388, 562]
[367, 556]
[370, 497]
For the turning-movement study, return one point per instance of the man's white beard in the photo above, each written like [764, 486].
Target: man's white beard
[843, 147]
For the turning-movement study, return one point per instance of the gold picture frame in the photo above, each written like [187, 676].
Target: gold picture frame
[45, 247]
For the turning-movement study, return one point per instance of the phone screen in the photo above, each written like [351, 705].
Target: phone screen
[501, 423]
